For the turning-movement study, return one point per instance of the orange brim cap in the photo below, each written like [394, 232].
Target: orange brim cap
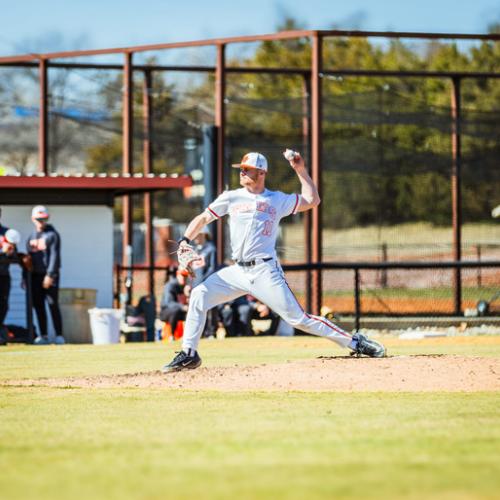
[253, 160]
[238, 165]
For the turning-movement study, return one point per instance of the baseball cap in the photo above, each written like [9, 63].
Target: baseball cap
[40, 212]
[253, 160]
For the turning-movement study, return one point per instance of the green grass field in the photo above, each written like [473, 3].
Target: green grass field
[58, 443]
[468, 293]
[412, 232]
[423, 236]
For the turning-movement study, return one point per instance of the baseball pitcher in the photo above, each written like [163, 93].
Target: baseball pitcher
[254, 216]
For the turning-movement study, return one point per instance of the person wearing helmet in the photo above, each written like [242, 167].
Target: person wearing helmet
[9, 240]
[44, 247]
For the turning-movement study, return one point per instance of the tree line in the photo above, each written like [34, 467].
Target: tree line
[386, 140]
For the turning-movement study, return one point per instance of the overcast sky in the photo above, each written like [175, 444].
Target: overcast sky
[46, 25]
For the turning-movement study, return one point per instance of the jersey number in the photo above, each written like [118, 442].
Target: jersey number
[268, 227]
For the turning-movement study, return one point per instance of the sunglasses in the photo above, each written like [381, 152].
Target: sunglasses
[246, 170]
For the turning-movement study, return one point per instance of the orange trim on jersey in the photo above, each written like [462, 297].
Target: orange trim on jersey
[296, 203]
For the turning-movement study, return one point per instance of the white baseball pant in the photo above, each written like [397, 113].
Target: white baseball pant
[266, 282]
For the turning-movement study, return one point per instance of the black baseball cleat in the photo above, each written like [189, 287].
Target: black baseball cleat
[367, 347]
[182, 362]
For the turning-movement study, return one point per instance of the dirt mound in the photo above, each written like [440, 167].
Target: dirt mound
[345, 374]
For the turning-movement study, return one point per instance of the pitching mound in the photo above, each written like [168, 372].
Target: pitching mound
[393, 374]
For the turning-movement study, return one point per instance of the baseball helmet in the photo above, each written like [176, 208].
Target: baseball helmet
[12, 236]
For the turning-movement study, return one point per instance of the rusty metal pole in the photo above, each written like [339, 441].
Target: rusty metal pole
[127, 130]
[148, 169]
[316, 167]
[456, 190]
[306, 152]
[357, 300]
[220, 124]
[118, 285]
[43, 119]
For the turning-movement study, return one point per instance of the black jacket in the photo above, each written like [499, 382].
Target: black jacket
[173, 292]
[4, 263]
[45, 250]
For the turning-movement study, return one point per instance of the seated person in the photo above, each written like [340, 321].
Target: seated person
[212, 323]
[258, 310]
[173, 306]
[237, 316]
[147, 308]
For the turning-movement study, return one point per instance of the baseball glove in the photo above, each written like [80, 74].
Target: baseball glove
[186, 255]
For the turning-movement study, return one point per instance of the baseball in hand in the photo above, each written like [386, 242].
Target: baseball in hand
[290, 154]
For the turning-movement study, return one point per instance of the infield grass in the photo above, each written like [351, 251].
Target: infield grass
[62, 443]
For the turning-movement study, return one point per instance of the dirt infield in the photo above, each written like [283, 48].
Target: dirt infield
[420, 373]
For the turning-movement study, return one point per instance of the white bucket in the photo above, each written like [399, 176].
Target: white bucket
[105, 325]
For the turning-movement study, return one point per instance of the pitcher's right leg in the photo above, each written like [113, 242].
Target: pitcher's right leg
[275, 292]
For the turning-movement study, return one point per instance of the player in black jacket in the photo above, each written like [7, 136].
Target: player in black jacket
[4, 279]
[9, 239]
[44, 247]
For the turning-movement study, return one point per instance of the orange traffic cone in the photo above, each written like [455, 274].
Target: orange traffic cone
[166, 333]
[179, 330]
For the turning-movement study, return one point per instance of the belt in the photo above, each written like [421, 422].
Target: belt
[250, 263]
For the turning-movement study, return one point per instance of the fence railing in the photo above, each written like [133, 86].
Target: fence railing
[126, 281]
[357, 267]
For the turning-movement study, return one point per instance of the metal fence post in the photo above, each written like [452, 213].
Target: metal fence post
[456, 195]
[220, 123]
[383, 274]
[479, 276]
[148, 169]
[357, 300]
[316, 174]
[43, 119]
[127, 146]
[306, 154]
[29, 308]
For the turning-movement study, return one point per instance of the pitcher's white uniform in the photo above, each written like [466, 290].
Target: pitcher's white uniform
[253, 222]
